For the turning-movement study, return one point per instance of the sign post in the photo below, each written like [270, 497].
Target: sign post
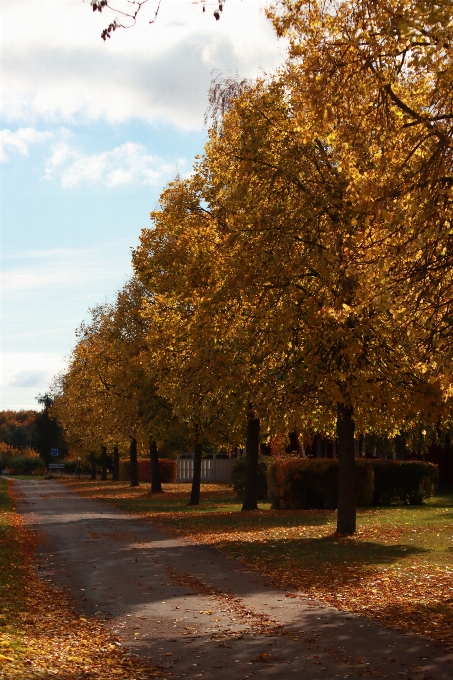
[56, 466]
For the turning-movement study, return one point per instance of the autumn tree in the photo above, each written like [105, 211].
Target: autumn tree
[18, 428]
[379, 74]
[106, 397]
[206, 367]
[173, 264]
[283, 285]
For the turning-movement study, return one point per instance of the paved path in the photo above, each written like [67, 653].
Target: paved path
[199, 614]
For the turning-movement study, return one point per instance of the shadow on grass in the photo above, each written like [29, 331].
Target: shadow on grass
[313, 552]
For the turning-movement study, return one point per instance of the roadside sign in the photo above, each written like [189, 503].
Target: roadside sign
[5, 472]
[56, 466]
[54, 452]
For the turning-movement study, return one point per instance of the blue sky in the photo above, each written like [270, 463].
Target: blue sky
[90, 134]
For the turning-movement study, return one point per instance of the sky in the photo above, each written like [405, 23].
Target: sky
[90, 133]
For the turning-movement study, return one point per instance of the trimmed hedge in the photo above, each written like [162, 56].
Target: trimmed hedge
[400, 481]
[311, 483]
[167, 468]
[238, 476]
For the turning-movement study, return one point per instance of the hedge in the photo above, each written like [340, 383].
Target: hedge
[238, 476]
[400, 481]
[167, 468]
[307, 483]
[25, 465]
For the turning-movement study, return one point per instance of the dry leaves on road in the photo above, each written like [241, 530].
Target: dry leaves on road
[41, 636]
[398, 568]
[415, 596]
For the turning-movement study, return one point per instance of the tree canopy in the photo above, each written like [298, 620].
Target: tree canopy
[301, 277]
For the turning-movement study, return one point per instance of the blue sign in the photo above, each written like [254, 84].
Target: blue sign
[54, 452]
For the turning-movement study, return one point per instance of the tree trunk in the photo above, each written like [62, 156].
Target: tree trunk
[448, 477]
[317, 446]
[116, 465]
[250, 499]
[196, 480]
[133, 461]
[346, 519]
[156, 485]
[93, 465]
[103, 463]
[294, 443]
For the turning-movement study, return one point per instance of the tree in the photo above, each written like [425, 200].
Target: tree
[379, 74]
[177, 264]
[331, 298]
[281, 286]
[18, 428]
[103, 463]
[49, 434]
[107, 396]
[156, 483]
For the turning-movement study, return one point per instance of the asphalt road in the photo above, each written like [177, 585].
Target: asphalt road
[199, 614]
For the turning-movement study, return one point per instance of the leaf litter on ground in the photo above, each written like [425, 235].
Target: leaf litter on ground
[398, 568]
[41, 636]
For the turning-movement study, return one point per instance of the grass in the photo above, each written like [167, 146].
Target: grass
[398, 567]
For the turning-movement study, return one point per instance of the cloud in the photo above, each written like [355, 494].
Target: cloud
[30, 379]
[20, 141]
[29, 369]
[56, 68]
[58, 269]
[125, 165]
[38, 254]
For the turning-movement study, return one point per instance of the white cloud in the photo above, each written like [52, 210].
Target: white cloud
[56, 67]
[61, 269]
[124, 165]
[20, 141]
[38, 254]
[29, 369]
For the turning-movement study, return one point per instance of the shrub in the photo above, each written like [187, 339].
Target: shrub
[401, 481]
[167, 468]
[238, 476]
[25, 465]
[307, 483]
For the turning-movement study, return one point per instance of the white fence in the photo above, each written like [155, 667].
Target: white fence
[212, 469]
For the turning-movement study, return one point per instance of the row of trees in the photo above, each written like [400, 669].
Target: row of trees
[301, 277]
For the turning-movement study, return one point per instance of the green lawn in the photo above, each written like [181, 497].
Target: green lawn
[421, 530]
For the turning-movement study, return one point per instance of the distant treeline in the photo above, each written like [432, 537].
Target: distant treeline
[18, 428]
[29, 429]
